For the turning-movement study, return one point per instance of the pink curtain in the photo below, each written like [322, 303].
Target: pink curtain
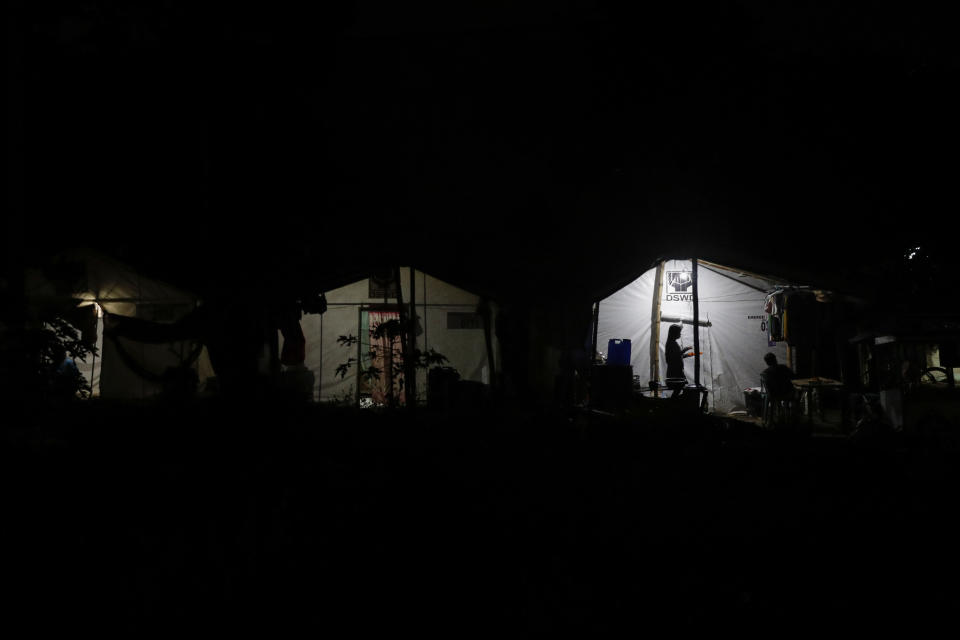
[387, 358]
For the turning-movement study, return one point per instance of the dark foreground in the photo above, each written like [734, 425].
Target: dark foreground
[267, 519]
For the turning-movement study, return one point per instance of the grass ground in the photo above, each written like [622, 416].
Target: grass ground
[495, 521]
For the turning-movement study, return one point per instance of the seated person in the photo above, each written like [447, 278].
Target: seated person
[777, 378]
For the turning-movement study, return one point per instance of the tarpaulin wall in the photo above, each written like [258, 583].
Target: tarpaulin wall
[733, 333]
[462, 343]
[120, 290]
[116, 288]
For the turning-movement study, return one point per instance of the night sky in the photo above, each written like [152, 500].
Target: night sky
[553, 146]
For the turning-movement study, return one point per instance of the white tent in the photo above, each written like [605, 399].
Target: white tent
[108, 285]
[447, 316]
[447, 321]
[732, 325]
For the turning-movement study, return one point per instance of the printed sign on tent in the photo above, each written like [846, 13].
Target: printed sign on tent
[679, 286]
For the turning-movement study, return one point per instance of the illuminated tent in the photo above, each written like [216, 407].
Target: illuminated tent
[124, 368]
[448, 322]
[734, 324]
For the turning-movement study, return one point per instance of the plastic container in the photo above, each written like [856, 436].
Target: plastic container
[618, 351]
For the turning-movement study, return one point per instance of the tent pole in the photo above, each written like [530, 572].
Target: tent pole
[426, 342]
[93, 363]
[711, 361]
[593, 342]
[593, 354]
[696, 329]
[320, 368]
[410, 385]
[359, 354]
[407, 336]
[655, 329]
[486, 313]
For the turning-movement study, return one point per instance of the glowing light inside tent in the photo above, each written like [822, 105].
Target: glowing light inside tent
[86, 302]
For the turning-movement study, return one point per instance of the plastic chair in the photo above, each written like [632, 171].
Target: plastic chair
[777, 409]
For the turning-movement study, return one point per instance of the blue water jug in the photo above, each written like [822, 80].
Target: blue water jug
[618, 351]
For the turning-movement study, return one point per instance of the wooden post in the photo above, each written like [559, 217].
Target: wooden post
[410, 385]
[486, 315]
[593, 356]
[596, 322]
[696, 329]
[655, 328]
[404, 342]
[360, 332]
[320, 368]
[93, 363]
[426, 337]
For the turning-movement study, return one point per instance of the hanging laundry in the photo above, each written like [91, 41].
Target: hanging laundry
[776, 329]
[770, 303]
[773, 306]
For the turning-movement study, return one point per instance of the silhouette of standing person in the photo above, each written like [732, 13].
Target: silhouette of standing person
[676, 379]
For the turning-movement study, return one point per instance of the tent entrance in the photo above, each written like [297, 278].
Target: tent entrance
[732, 330]
[380, 379]
[707, 378]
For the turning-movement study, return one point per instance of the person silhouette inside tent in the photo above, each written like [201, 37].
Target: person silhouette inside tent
[776, 381]
[676, 379]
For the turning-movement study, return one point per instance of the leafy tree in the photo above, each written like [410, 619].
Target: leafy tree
[51, 333]
[385, 347]
[49, 344]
